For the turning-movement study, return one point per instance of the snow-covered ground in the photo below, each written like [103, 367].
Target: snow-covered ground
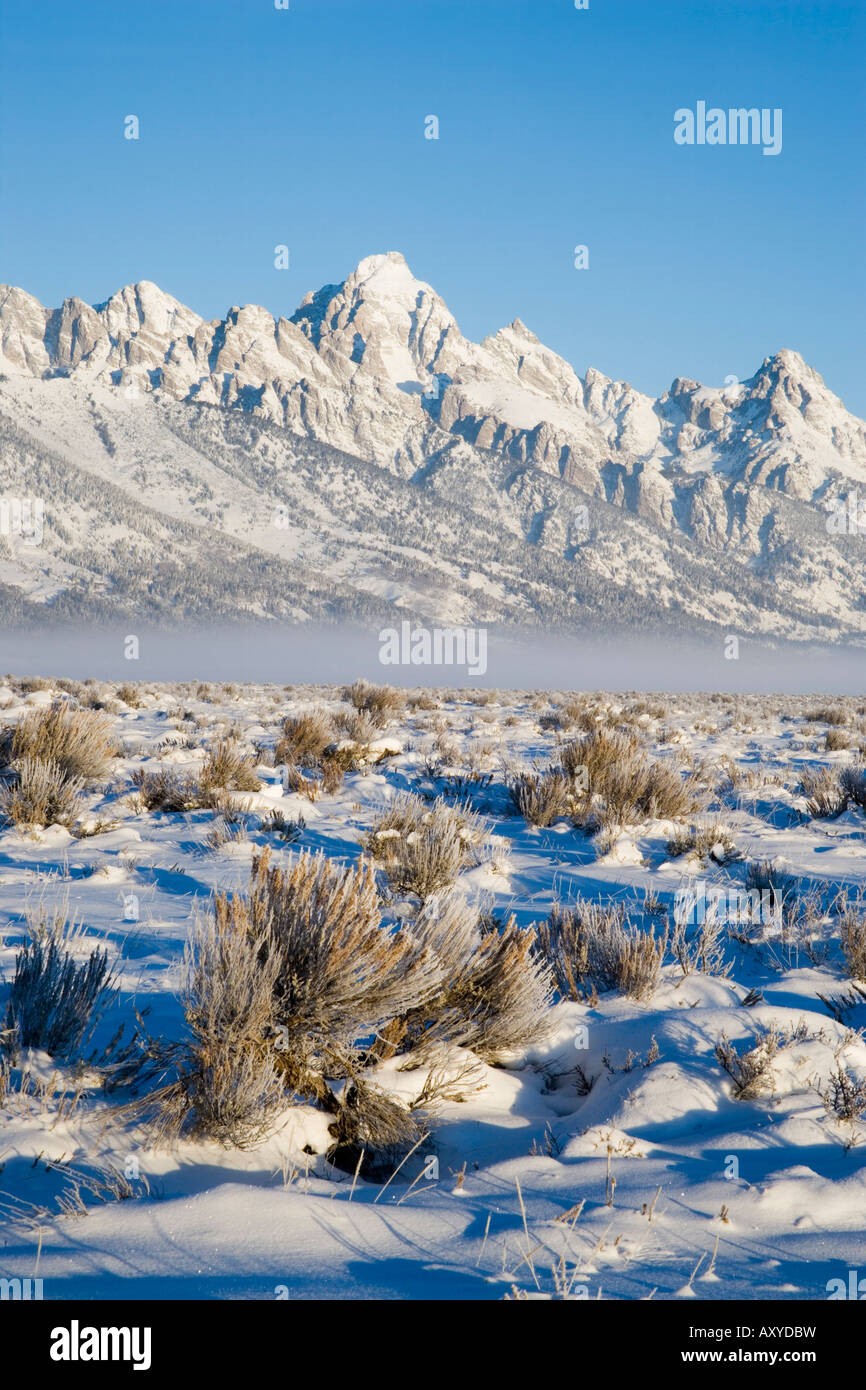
[610, 1159]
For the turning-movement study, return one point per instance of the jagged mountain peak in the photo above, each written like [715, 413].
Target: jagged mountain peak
[376, 367]
[384, 277]
[383, 264]
[144, 306]
[788, 368]
[787, 360]
[518, 329]
[145, 291]
[382, 320]
[146, 296]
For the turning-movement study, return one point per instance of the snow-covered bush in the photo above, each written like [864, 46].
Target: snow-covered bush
[79, 741]
[338, 974]
[129, 694]
[167, 791]
[852, 926]
[491, 994]
[704, 950]
[836, 739]
[770, 876]
[562, 943]
[541, 797]
[666, 794]
[712, 841]
[828, 714]
[619, 785]
[368, 1118]
[495, 1002]
[380, 702]
[297, 985]
[228, 1088]
[422, 848]
[356, 725]
[588, 943]
[852, 782]
[844, 1095]
[227, 767]
[39, 792]
[822, 788]
[751, 1071]
[282, 982]
[55, 1003]
[304, 739]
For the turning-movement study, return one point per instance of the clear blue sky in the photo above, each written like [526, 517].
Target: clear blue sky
[261, 126]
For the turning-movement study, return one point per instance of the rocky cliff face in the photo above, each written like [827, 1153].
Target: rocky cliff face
[377, 368]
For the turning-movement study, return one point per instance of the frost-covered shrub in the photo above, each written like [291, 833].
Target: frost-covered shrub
[828, 714]
[500, 1001]
[31, 683]
[618, 784]
[852, 784]
[577, 711]
[79, 741]
[591, 943]
[340, 975]
[301, 783]
[223, 832]
[541, 797]
[751, 1071]
[297, 985]
[703, 948]
[55, 1003]
[822, 788]
[713, 841]
[356, 725]
[836, 739]
[336, 762]
[277, 823]
[497, 990]
[844, 1095]
[666, 794]
[283, 983]
[422, 848]
[368, 1118]
[380, 702]
[129, 695]
[421, 700]
[852, 927]
[166, 791]
[226, 766]
[40, 793]
[768, 876]
[562, 943]
[228, 1087]
[304, 739]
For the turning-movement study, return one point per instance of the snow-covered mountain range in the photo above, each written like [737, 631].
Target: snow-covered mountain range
[364, 456]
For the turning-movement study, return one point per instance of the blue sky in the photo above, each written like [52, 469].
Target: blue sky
[306, 127]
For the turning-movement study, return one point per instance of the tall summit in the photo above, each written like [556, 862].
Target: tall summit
[709, 504]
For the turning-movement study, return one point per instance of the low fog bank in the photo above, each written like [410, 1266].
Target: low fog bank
[296, 656]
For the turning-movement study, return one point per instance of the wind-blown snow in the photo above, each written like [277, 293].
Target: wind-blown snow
[780, 1222]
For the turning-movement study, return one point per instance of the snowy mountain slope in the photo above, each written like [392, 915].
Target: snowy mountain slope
[391, 459]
